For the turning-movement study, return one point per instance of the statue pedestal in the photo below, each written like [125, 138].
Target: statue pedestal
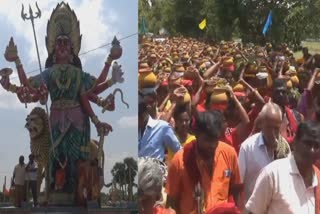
[93, 205]
[26, 204]
[61, 199]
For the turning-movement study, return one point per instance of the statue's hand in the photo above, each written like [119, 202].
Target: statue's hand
[117, 73]
[5, 82]
[11, 53]
[108, 103]
[43, 92]
[103, 128]
[24, 94]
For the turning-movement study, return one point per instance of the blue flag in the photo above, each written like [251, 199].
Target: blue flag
[267, 24]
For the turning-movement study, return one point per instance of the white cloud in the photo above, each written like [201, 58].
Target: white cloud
[128, 121]
[94, 28]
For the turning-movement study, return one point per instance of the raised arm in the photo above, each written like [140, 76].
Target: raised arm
[11, 55]
[163, 104]
[196, 98]
[241, 128]
[254, 91]
[212, 70]
[115, 78]
[26, 93]
[312, 79]
[306, 98]
[104, 73]
[115, 53]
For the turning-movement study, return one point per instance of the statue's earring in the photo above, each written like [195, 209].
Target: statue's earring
[54, 59]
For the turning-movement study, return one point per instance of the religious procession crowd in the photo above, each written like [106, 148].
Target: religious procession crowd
[227, 128]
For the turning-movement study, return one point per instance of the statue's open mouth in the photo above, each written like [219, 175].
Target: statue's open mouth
[63, 51]
[33, 131]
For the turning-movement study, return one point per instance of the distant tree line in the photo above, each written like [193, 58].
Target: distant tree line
[124, 174]
[293, 20]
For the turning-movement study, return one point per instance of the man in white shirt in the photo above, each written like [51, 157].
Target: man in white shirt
[19, 174]
[290, 185]
[262, 148]
[31, 179]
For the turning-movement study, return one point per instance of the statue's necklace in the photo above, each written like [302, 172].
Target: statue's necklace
[63, 79]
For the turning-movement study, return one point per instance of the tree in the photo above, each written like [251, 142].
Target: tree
[144, 10]
[131, 171]
[293, 20]
[118, 173]
[289, 22]
[124, 174]
[4, 198]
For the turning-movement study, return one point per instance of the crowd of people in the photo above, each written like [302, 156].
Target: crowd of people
[227, 128]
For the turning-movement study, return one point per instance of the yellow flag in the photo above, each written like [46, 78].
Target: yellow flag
[203, 24]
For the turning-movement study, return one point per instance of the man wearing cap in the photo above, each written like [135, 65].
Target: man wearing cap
[154, 135]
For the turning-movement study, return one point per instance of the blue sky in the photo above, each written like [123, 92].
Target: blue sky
[99, 20]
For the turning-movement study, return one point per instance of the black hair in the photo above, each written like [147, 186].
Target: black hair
[231, 103]
[151, 92]
[21, 158]
[210, 122]
[208, 101]
[179, 110]
[308, 128]
[142, 108]
[279, 83]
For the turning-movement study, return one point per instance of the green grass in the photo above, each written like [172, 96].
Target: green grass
[314, 47]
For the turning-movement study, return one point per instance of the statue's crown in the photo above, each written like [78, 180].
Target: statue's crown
[63, 21]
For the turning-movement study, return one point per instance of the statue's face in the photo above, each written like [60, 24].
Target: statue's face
[35, 125]
[62, 47]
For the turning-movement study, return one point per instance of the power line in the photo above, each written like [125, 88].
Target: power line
[102, 46]
[86, 52]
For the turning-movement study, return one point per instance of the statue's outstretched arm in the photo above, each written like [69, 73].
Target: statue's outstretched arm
[100, 126]
[115, 53]
[23, 93]
[107, 103]
[11, 55]
[104, 73]
[26, 93]
[117, 77]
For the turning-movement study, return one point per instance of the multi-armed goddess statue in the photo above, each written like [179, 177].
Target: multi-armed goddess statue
[71, 91]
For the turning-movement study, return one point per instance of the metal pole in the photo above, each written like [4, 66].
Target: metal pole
[32, 17]
[35, 40]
